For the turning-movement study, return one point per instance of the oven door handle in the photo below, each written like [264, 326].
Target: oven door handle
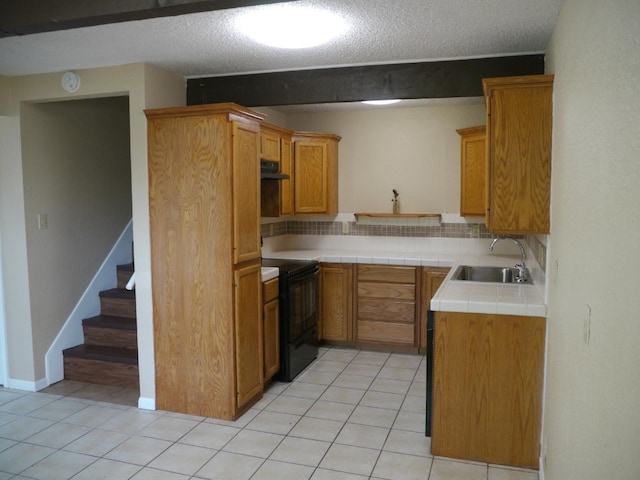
[304, 275]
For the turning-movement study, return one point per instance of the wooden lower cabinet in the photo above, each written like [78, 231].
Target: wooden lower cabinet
[487, 390]
[336, 302]
[248, 337]
[432, 278]
[271, 328]
[386, 305]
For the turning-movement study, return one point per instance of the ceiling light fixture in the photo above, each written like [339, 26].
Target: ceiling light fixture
[286, 26]
[381, 102]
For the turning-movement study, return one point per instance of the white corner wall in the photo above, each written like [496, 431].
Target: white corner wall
[591, 423]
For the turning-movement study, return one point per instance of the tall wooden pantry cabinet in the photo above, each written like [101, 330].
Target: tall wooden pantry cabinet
[204, 202]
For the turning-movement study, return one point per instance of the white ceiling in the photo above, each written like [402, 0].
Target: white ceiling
[382, 31]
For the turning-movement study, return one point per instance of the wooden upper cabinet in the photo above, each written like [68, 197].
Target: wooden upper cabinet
[315, 173]
[269, 145]
[519, 111]
[286, 186]
[277, 195]
[246, 191]
[472, 170]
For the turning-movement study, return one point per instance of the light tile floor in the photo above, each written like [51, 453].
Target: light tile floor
[351, 415]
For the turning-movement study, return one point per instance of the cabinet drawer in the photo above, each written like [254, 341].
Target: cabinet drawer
[383, 332]
[387, 290]
[387, 274]
[387, 311]
[270, 290]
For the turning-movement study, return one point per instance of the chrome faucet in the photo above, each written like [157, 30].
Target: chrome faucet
[522, 268]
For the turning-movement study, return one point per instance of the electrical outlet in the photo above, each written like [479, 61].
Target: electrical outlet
[345, 228]
[475, 230]
[271, 229]
[43, 222]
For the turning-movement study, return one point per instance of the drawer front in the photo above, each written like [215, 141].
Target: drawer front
[388, 333]
[387, 311]
[386, 274]
[387, 290]
[270, 290]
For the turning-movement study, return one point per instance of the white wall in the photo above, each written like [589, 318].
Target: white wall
[415, 150]
[591, 420]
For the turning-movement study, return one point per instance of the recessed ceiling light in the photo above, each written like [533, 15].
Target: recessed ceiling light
[286, 26]
[381, 102]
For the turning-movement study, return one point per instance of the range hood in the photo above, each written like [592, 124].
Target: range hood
[270, 170]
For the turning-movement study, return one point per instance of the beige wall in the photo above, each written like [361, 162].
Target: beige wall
[591, 421]
[415, 150]
[146, 87]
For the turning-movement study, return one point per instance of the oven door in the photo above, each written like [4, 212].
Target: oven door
[302, 302]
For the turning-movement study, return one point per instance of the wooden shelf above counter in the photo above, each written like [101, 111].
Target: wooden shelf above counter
[414, 219]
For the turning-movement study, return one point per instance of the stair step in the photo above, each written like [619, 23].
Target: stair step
[106, 330]
[109, 321]
[102, 365]
[124, 273]
[102, 353]
[118, 302]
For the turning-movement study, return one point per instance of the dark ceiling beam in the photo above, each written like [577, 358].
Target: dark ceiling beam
[25, 17]
[441, 79]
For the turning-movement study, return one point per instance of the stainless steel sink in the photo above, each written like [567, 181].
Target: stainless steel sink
[489, 274]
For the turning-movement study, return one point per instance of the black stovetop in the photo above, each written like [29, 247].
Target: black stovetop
[289, 266]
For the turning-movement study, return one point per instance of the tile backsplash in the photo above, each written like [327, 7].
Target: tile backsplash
[446, 230]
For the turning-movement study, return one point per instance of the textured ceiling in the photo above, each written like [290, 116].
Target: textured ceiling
[381, 31]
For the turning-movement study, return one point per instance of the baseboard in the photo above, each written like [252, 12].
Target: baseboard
[541, 474]
[147, 403]
[25, 385]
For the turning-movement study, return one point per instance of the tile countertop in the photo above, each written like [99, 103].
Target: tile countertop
[269, 272]
[452, 296]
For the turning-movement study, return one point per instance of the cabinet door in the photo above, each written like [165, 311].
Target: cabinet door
[315, 172]
[286, 186]
[270, 146]
[432, 278]
[248, 334]
[246, 192]
[487, 391]
[336, 306]
[271, 320]
[311, 170]
[519, 154]
[472, 171]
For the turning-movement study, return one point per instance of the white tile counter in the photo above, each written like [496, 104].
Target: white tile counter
[485, 297]
[452, 296]
[269, 272]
